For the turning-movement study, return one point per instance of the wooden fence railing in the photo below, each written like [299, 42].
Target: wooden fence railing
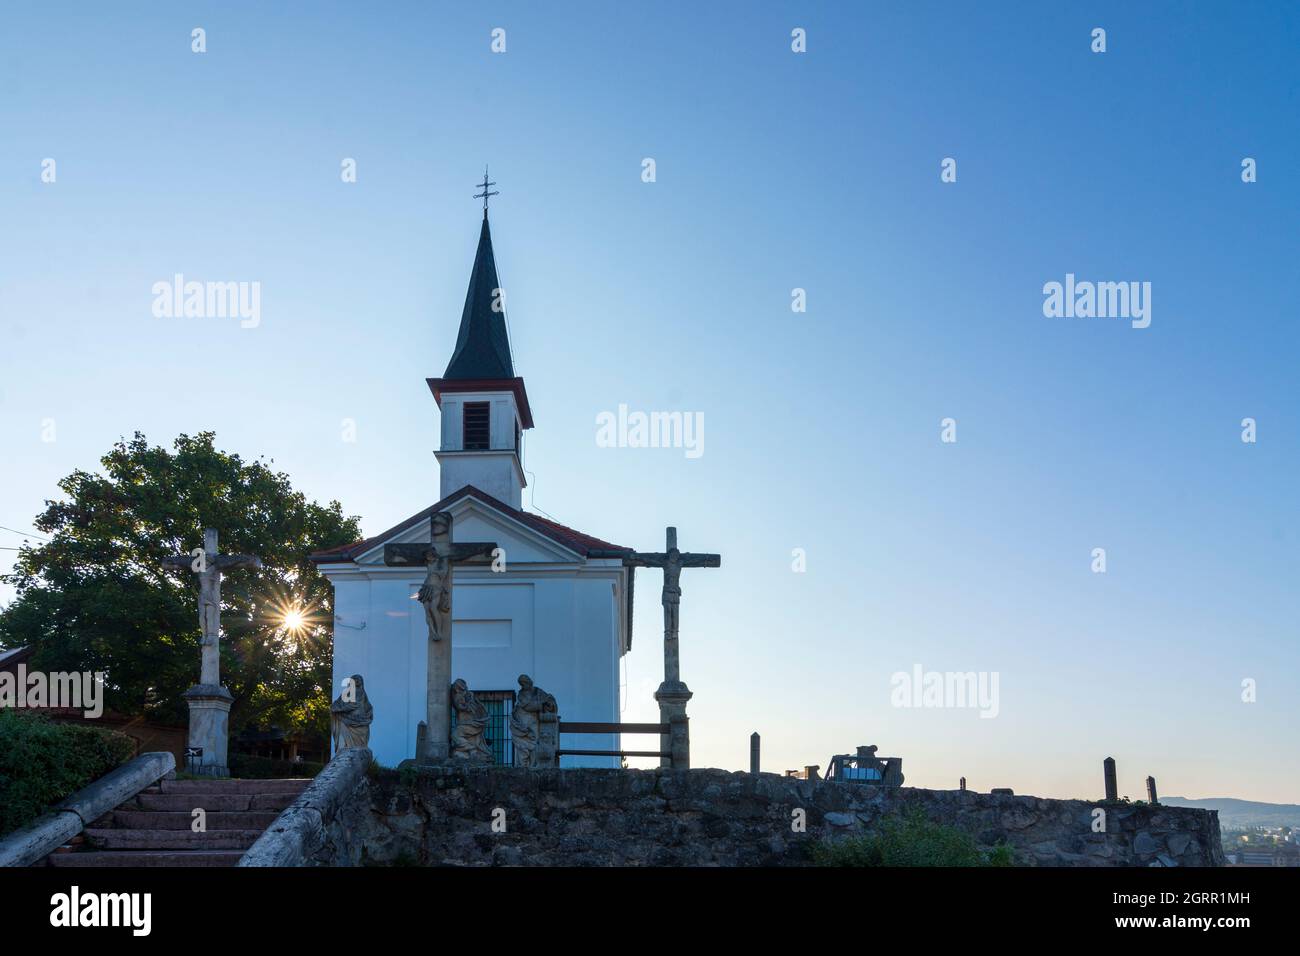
[674, 736]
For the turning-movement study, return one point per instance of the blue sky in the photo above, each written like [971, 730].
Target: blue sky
[775, 171]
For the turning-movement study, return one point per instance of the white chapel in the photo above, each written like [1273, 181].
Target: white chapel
[561, 611]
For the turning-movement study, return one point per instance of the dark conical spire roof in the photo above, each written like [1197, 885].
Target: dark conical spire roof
[482, 346]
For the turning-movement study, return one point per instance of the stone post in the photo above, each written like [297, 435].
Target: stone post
[753, 752]
[672, 700]
[673, 693]
[1108, 769]
[209, 729]
[209, 702]
[963, 784]
[1151, 790]
[680, 746]
[548, 740]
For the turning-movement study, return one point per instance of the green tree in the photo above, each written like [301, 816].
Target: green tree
[95, 597]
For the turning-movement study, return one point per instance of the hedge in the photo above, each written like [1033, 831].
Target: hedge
[42, 762]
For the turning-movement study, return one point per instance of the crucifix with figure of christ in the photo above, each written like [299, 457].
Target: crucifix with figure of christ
[672, 693]
[439, 557]
[208, 701]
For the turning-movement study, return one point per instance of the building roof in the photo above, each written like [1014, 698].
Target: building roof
[482, 345]
[584, 544]
[15, 655]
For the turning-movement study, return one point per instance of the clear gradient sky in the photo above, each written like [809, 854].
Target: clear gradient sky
[775, 170]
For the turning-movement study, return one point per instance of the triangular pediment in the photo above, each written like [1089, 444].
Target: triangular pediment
[475, 520]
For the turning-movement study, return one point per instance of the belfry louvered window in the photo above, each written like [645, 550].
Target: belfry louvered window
[478, 425]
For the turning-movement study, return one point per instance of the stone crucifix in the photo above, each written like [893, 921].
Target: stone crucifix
[439, 557]
[672, 693]
[208, 701]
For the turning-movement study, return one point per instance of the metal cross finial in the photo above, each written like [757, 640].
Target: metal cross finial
[485, 194]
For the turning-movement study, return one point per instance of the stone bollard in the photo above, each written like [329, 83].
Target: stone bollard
[1112, 788]
[548, 740]
[963, 784]
[753, 752]
[680, 742]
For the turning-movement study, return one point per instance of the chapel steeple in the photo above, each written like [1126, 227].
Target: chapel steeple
[483, 345]
[484, 404]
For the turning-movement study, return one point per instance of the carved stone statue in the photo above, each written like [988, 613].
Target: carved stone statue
[867, 758]
[435, 592]
[530, 704]
[350, 715]
[469, 736]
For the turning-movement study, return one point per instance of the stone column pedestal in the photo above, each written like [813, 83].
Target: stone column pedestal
[548, 740]
[209, 728]
[672, 697]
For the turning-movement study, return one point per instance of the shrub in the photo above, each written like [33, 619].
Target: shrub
[42, 762]
[911, 840]
[250, 767]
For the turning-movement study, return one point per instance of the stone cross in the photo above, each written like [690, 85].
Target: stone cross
[209, 702]
[439, 557]
[672, 693]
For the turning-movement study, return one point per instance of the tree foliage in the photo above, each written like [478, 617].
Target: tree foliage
[96, 597]
[42, 762]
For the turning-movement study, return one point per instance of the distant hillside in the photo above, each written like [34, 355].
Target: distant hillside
[1236, 814]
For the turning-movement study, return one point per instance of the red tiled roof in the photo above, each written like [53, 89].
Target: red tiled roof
[574, 540]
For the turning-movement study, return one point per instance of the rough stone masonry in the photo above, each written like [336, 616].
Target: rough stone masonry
[664, 817]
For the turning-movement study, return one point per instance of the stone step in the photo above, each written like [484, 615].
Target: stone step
[223, 802]
[115, 858]
[294, 785]
[183, 820]
[113, 839]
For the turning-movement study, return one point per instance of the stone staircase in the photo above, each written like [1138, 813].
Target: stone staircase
[154, 828]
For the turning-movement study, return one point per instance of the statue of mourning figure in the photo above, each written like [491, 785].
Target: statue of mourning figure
[469, 736]
[351, 715]
[533, 707]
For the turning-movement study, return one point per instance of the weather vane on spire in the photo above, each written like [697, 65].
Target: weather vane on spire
[485, 194]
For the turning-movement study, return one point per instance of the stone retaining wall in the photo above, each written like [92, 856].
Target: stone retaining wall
[663, 817]
[325, 825]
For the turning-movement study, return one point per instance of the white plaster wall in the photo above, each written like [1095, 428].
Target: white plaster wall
[560, 627]
[497, 473]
